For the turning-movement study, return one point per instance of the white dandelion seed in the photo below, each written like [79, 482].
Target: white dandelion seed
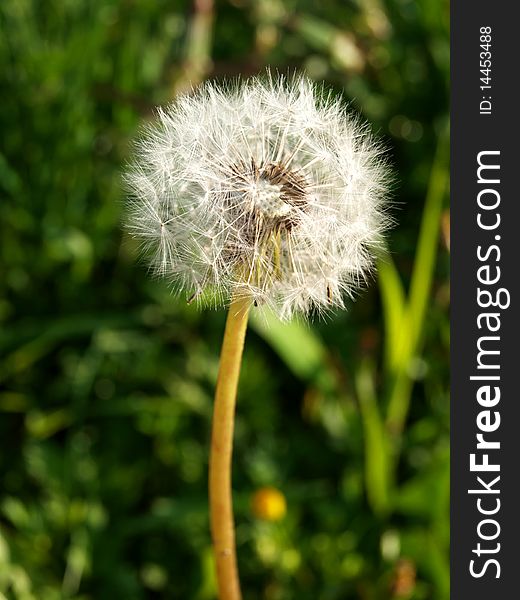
[267, 189]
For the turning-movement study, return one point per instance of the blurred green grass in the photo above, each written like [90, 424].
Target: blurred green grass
[106, 379]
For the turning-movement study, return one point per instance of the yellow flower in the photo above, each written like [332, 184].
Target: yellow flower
[269, 504]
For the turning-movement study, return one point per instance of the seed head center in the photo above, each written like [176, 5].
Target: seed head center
[267, 198]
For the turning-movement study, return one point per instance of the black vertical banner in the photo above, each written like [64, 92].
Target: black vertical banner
[485, 205]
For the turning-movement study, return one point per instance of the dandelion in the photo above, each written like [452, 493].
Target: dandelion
[268, 504]
[265, 192]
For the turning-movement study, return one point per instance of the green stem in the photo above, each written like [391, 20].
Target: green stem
[414, 316]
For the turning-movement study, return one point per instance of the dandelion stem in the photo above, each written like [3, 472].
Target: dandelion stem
[220, 497]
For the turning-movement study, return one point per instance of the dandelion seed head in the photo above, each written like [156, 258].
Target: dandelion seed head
[267, 188]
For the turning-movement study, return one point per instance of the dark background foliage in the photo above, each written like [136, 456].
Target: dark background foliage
[106, 379]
